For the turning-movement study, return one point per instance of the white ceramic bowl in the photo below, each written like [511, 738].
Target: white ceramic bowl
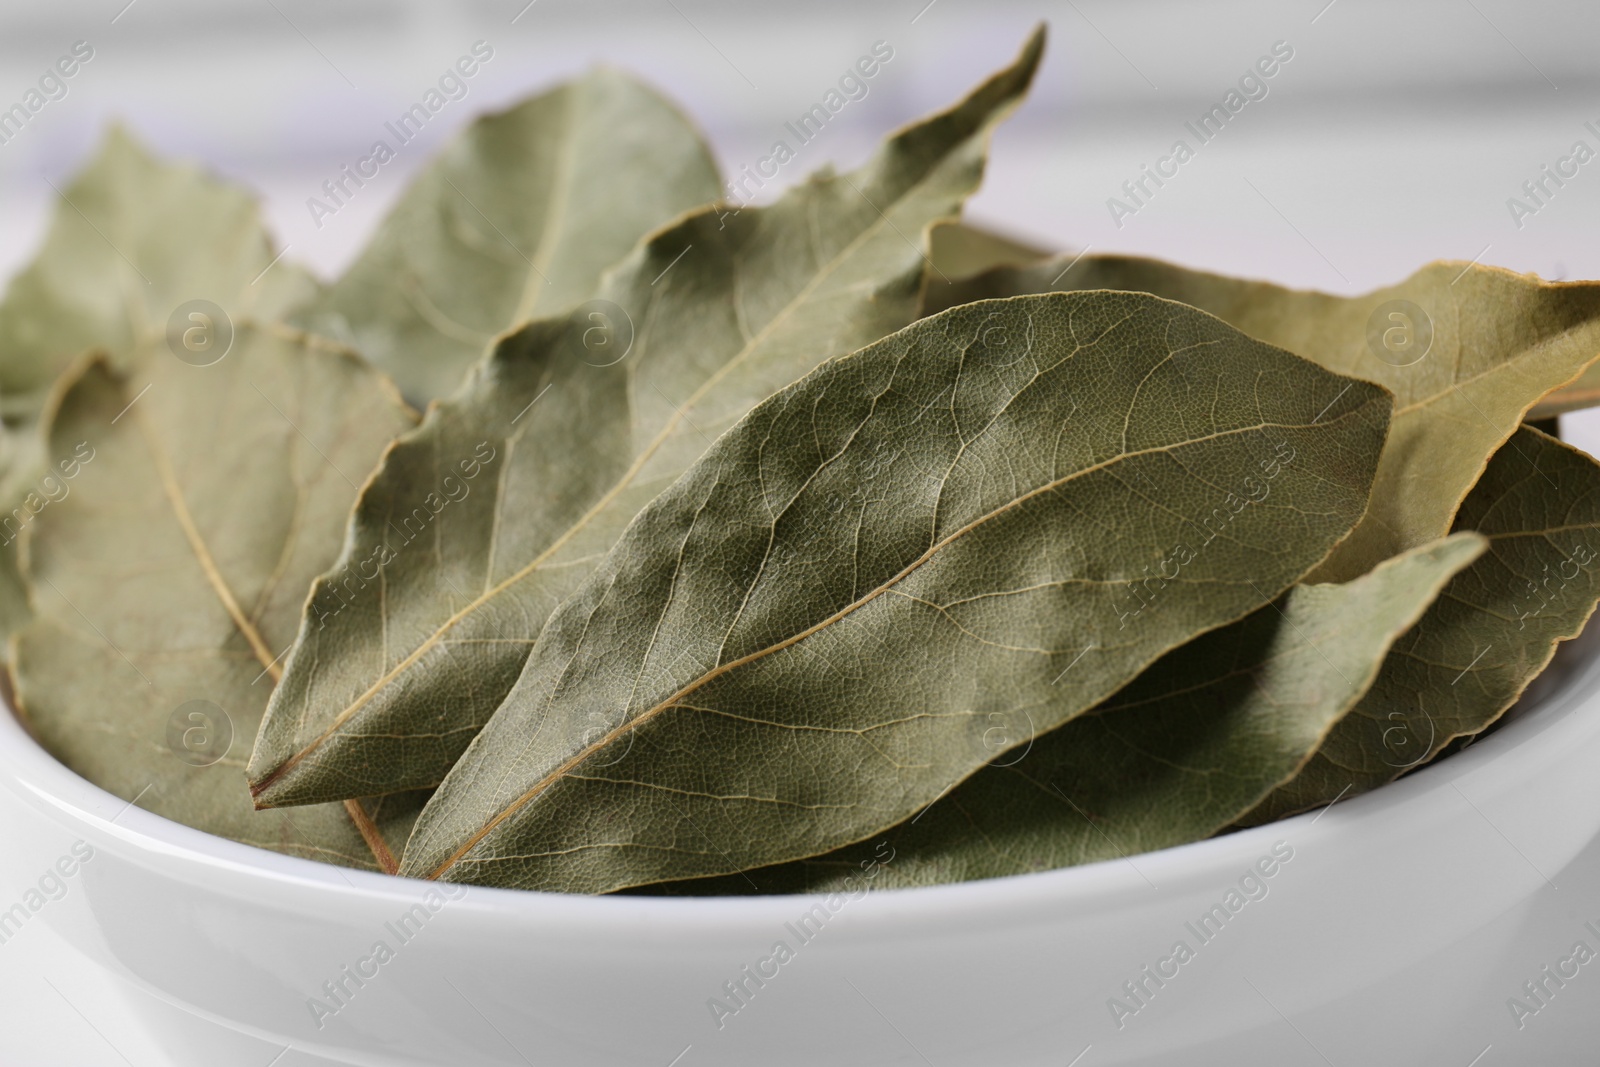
[1396, 934]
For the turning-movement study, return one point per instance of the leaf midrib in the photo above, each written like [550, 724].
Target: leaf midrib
[628, 725]
[369, 831]
[554, 212]
[208, 565]
[1507, 365]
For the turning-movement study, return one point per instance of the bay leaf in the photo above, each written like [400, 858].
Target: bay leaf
[1185, 749]
[132, 239]
[514, 220]
[1467, 351]
[505, 499]
[1583, 392]
[170, 580]
[959, 250]
[805, 639]
[21, 464]
[1492, 631]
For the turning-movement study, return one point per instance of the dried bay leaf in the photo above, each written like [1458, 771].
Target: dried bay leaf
[21, 462]
[720, 310]
[958, 250]
[1186, 748]
[1582, 392]
[132, 239]
[1472, 351]
[515, 220]
[803, 641]
[170, 580]
[1492, 631]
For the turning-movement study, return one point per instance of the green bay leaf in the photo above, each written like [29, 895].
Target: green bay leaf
[1492, 631]
[175, 571]
[504, 500]
[1185, 749]
[960, 250]
[1472, 350]
[22, 465]
[516, 219]
[1582, 392]
[803, 641]
[132, 239]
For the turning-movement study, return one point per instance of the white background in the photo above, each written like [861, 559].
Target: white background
[1394, 136]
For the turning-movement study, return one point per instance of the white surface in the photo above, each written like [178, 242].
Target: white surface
[1394, 137]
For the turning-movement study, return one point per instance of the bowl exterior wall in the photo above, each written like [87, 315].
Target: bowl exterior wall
[1397, 927]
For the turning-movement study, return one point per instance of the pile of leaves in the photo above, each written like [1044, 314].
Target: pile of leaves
[747, 547]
